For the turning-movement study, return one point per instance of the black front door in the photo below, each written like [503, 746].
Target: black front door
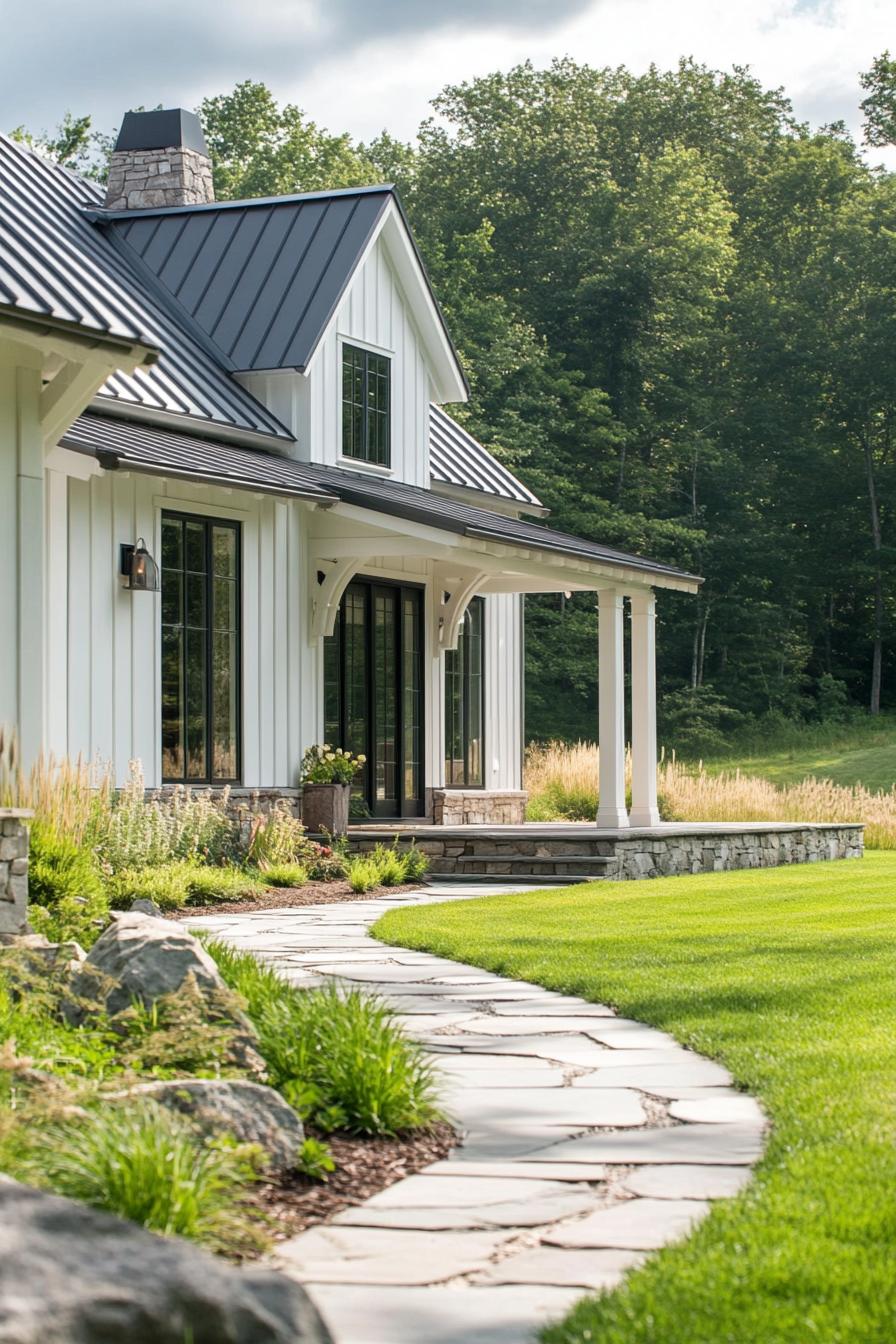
[373, 694]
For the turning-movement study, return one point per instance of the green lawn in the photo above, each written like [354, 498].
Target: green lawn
[863, 753]
[789, 978]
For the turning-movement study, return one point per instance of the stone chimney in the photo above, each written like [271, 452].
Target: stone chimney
[159, 159]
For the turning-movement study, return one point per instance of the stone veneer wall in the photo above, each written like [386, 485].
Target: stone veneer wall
[674, 855]
[13, 870]
[142, 179]
[472, 807]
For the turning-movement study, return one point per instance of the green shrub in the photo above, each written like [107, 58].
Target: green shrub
[363, 873]
[277, 838]
[208, 886]
[184, 882]
[416, 863]
[284, 875]
[328, 1049]
[390, 866]
[168, 884]
[33, 1032]
[66, 894]
[144, 1163]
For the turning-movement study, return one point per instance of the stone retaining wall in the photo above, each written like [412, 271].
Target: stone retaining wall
[659, 856]
[472, 807]
[13, 870]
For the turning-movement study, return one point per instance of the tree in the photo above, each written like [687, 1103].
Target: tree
[880, 105]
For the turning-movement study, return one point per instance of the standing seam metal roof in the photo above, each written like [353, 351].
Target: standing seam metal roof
[456, 458]
[55, 263]
[261, 279]
[160, 452]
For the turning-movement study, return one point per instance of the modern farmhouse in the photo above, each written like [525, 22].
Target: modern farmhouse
[235, 519]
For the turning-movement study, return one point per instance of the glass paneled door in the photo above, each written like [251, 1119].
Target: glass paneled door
[373, 694]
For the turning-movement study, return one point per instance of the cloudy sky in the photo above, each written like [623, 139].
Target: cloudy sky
[359, 65]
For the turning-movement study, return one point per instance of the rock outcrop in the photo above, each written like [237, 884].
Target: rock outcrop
[70, 1274]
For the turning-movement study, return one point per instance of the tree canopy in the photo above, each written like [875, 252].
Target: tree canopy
[677, 308]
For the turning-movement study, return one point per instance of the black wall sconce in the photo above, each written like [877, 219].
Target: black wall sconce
[138, 569]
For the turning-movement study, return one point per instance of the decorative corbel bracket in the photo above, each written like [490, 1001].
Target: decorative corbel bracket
[452, 595]
[329, 580]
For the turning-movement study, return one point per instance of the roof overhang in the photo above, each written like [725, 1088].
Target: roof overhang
[71, 340]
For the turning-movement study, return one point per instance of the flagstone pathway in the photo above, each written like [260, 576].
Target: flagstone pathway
[588, 1142]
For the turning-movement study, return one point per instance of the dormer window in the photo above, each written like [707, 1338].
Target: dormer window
[366, 401]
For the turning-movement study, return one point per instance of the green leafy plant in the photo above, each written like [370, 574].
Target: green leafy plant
[142, 1162]
[182, 882]
[67, 898]
[323, 764]
[277, 837]
[180, 824]
[315, 1160]
[285, 875]
[328, 1048]
[363, 873]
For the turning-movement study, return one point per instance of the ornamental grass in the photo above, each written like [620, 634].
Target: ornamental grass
[562, 784]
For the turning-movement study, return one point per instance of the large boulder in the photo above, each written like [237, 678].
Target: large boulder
[144, 959]
[249, 1112]
[73, 1275]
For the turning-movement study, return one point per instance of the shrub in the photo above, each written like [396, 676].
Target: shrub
[35, 1035]
[180, 825]
[390, 865]
[277, 838]
[329, 765]
[416, 863]
[207, 886]
[66, 894]
[144, 1163]
[184, 882]
[285, 875]
[335, 1054]
[328, 863]
[363, 873]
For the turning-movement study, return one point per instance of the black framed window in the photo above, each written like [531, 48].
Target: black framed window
[465, 702]
[201, 604]
[366, 403]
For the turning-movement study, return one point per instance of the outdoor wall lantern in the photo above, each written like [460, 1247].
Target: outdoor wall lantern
[138, 569]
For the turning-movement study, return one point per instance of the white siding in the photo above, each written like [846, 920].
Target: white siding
[103, 642]
[375, 314]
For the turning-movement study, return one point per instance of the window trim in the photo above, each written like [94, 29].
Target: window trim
[465, 733]
[209, 522]
[367, 349]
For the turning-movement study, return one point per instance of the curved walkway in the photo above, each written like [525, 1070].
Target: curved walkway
[589, 1141]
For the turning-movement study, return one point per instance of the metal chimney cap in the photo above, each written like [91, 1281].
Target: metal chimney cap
[171, 128]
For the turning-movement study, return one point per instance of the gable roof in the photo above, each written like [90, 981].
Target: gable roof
[262, 279]
[147, 449]
[55, 264]
[459, 460]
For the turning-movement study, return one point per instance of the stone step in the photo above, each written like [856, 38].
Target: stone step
[538, 860]
[435, 878]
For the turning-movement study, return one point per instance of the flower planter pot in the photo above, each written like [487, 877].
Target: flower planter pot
[325, 808]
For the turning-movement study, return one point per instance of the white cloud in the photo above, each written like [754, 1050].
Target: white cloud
[101, 58]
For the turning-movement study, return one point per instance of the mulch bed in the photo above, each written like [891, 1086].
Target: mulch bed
[285, 898]
[363, 1168]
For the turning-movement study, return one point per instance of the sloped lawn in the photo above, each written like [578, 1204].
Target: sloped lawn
[789, 978]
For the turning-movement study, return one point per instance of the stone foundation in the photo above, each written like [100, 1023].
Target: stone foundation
[577, 850]
[241, 802]
[13, 870]
[472, 807]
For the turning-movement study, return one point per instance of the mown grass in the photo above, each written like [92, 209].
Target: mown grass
[789, 978]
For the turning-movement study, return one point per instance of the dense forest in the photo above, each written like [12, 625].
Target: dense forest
[677, 308]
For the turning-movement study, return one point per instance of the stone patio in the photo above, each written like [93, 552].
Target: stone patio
[588, 1141]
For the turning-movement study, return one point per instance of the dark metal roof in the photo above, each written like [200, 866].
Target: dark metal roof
[261, 279]
[120, 443]
[48, 268]
[168, 128]
[55, 264]
[153, 450]
[456, 458]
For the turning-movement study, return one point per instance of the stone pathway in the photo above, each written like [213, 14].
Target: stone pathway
[588, 1142]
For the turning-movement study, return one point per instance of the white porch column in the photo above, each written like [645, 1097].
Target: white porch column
[611, 710]
[644, 805]
[21, 553]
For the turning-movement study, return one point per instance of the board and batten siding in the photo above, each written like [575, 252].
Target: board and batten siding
[373, 314]
[104, 642]
[503, 691]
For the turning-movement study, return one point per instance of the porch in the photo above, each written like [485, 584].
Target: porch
[580, 851]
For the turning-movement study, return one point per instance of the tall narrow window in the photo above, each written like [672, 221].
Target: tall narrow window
[464, 702]
[366, 401]
[200, 650]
